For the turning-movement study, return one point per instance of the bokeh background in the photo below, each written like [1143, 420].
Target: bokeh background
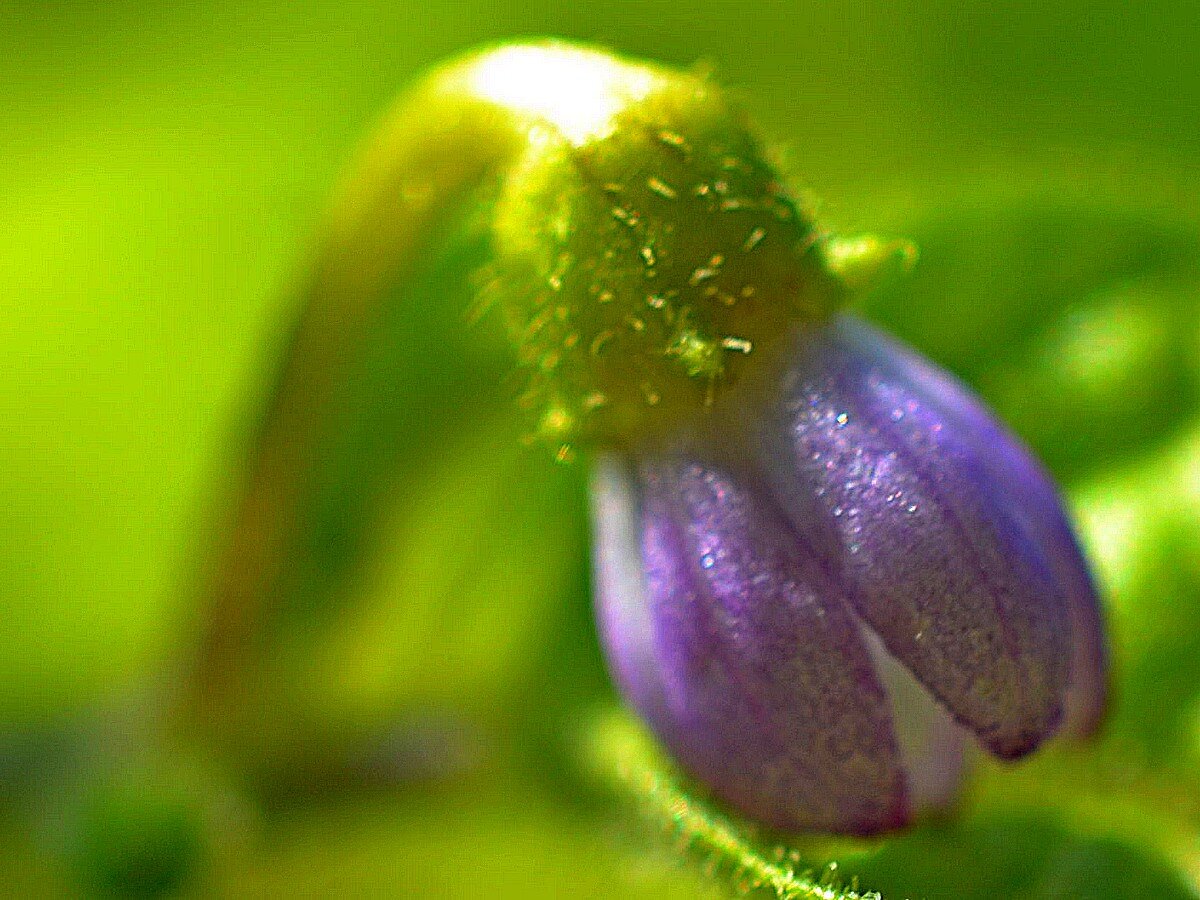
[417, 724]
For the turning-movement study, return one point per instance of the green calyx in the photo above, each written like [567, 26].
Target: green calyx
[648, 256]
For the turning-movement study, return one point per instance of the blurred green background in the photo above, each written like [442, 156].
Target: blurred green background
[163, 169]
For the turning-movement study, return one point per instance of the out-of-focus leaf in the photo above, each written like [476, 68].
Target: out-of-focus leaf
[1019, 857]
[1140, 521]
[484, 545]
[484, 837]
[1075, 319]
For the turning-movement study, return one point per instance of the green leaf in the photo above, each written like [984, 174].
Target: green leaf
[494, 836]
[1074, 317]
[1024, 856]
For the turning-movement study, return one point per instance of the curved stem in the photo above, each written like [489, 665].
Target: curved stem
[407, 179]
[455, 134]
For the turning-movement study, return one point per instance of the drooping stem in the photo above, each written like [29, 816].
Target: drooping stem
[429, 157]
[446, 146]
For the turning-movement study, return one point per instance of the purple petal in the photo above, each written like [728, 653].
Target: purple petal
[1029, 494]
[912, 514]
[736, 649]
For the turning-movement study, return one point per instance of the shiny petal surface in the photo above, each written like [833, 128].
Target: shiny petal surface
[739, 652]
[1026, 490]
[915, 520]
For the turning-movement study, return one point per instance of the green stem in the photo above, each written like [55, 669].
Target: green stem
[429, 157]
[624, 760]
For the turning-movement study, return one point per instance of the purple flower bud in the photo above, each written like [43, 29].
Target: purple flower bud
[815, 596]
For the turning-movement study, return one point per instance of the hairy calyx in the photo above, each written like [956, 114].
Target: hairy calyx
[644, 262]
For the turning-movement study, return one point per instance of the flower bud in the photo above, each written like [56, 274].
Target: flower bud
[822, 567]
[822, 595]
